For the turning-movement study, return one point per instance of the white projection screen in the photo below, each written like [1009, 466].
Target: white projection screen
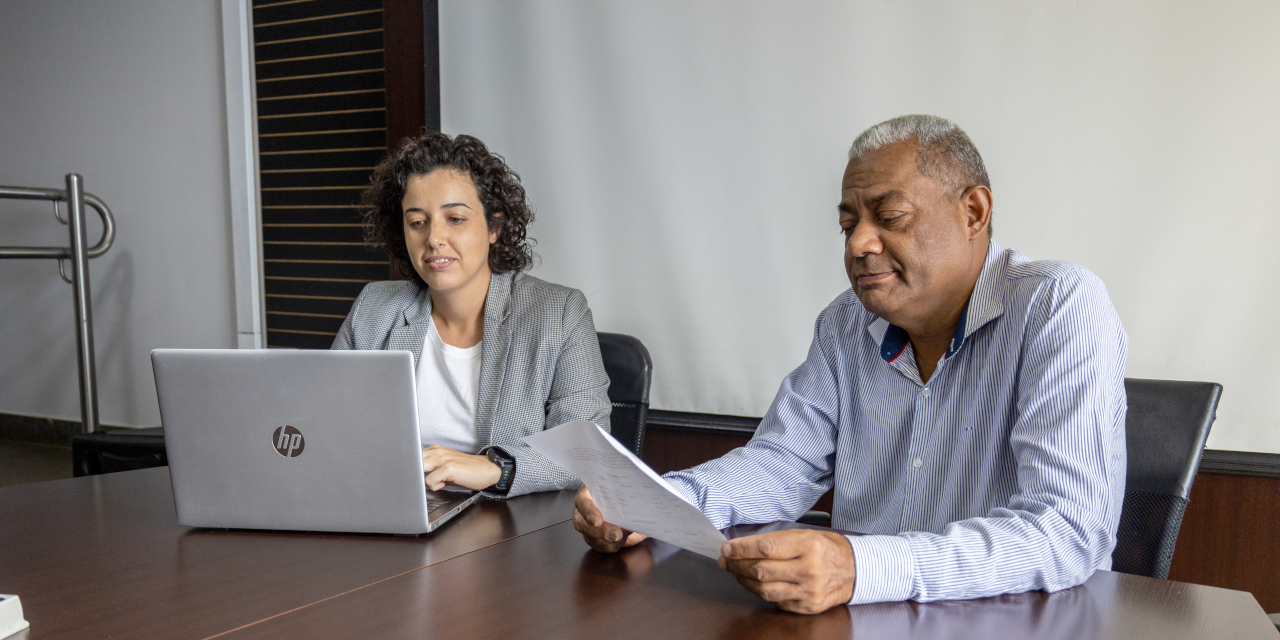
[684, 157]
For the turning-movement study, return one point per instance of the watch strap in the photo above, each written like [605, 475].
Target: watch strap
[508, 466]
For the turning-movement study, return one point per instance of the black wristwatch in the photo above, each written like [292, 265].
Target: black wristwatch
[508, 466]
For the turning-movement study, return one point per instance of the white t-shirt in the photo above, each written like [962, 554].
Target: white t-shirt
[448, 383]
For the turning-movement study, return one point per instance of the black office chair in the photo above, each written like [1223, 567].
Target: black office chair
[112, 450]
[630, 372]
[1165, 430]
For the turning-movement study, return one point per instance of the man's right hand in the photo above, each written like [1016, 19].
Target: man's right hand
[600, 535]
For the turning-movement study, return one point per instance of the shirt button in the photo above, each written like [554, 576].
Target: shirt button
[917, 462]
[925, 393]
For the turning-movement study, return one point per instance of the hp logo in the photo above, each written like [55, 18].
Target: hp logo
[288, 441]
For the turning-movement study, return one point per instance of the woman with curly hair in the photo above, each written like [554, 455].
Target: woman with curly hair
[498, 354]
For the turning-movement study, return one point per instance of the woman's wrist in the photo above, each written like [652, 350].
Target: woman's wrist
[445, 466]
[506, 466]
[492, 472]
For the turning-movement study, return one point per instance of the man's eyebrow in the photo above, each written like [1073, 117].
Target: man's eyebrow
[845, 207]
[888, 195]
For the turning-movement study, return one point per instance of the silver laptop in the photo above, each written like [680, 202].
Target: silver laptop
[298, 440]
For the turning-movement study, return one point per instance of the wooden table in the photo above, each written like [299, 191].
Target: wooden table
[104, 557]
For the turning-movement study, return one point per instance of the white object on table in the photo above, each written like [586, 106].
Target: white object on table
[628, 492]
[11, 620]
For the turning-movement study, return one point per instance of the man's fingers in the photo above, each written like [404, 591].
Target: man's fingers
[779, 545]
[601, 544]
[605, 545]
[581, 523]
[587, 506]
[766, 570]
[776, 592]
[588, 520]
[806, 607]
[610, 533]
[799, 570]
[600, 535]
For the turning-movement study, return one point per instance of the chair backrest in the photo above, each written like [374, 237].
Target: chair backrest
[1165, 431]
[630, 372]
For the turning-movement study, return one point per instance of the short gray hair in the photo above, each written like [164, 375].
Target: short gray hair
[944, 152]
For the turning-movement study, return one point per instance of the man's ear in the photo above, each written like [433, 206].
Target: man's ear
[976, 201]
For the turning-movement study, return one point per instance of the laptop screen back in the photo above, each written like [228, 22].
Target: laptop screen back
[300, 440]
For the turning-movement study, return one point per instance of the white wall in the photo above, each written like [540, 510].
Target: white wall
[685, 158]
[128, 93]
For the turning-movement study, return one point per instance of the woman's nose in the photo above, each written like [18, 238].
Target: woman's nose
[436, 235]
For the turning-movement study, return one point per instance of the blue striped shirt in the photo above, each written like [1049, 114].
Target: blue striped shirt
[1004, 473]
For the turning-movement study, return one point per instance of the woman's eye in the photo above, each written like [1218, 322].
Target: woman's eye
[457, 220]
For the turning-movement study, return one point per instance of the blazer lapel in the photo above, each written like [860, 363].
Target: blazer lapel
[493, 359]
[410, 331]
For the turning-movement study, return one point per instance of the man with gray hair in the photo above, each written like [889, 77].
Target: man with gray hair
[966, 402]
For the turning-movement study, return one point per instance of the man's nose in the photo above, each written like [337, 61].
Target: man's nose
[864, 240]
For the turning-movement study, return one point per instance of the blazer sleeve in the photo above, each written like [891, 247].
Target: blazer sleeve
[346, 338]
[579, 391]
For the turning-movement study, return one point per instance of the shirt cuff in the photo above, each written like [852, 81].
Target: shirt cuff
[884, 569]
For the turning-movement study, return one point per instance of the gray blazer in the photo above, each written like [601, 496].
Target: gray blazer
[540, 365]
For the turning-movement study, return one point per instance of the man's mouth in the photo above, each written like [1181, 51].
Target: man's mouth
[865, 279]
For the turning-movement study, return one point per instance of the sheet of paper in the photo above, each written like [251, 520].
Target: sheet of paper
[627, 491]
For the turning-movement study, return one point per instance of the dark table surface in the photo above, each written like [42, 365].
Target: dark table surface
[104, 557]
[547, 584]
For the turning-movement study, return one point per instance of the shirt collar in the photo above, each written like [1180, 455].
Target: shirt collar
[985, 304]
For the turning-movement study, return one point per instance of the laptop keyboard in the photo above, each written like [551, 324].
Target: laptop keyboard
[432, 505]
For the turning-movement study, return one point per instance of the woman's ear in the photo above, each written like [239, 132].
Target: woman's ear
[499, 220]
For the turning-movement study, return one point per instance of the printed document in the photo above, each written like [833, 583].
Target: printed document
[627, 491]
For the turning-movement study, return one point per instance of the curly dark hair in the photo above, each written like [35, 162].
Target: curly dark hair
[505, 206]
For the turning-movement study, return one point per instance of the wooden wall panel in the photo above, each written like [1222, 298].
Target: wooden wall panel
[406, 90]
[1230, 536]
[674, 449]
[321, 128]
[412, 41]
[671, 450]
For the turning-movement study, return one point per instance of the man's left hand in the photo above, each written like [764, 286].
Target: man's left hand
[800, 570]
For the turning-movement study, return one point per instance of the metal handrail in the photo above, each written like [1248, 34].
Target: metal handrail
[56, 196]
[76, 199]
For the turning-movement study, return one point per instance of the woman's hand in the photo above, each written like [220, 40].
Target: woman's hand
[448, 466]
